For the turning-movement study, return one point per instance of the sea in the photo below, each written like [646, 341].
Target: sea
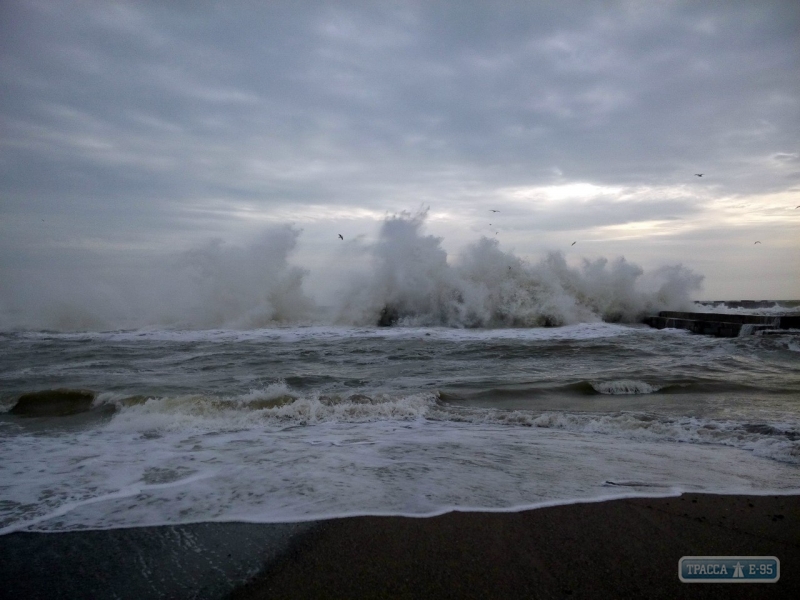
[299, 423]
[494, 384]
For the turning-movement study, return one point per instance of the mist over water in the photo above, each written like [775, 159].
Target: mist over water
[210, 286]
[410, 281]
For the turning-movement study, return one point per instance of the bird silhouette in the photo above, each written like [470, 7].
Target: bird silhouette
[698, 174]
[573, 243]
[340, 236]
[796, 207]
[492, 210]
[754, 243]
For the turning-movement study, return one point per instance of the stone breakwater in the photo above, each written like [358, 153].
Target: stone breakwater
[721, 324]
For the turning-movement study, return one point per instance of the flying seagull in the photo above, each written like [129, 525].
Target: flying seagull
[573, 243]
[754, 243]
[698, 174]
[492, 210]
[340, 236]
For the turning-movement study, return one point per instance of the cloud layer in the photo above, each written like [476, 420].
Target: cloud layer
[131, 127]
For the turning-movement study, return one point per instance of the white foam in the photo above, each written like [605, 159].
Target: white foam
[277, 406]
[108, 479]
[624, 387]
[257, 409]
[289, 334]
[772, 441]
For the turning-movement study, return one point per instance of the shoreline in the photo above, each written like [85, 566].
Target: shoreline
[623, 548]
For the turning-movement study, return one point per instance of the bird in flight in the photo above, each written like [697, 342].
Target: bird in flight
[573, 243]
[698, 174]
[754, 243]
[340, 236]
[492, 210]
[796, 207]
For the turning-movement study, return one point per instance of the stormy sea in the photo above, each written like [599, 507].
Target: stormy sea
[484, 382]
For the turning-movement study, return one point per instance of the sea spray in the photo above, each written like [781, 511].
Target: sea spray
[409, 279]
[211, 285]
[413, 283]
[241, 287]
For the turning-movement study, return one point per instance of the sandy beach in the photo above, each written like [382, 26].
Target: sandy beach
[615, 549]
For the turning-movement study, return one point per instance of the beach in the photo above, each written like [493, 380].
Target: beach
[399, 300]
[617, 549]
[347, 462]
[625, 548]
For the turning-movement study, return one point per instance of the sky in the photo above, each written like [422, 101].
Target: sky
[132, 130]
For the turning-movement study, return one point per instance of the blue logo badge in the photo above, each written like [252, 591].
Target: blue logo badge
[729, 569]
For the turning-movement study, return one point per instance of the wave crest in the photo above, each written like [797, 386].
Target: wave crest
[624, 387]
[275, 405]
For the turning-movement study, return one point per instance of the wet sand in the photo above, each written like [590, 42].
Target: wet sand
[614, 549]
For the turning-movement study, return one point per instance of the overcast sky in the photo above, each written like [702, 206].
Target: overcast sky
[147, 127]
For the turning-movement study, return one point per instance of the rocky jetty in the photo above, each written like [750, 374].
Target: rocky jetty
[722, 324]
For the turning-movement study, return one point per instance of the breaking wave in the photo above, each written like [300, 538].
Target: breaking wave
[274, 406]
[624, 387]
[279, 406]
[411, 281]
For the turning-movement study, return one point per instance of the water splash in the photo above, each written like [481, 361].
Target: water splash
[211, 285]
[413, 283]
[410, 281]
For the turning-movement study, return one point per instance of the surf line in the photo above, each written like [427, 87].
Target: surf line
[126, 492]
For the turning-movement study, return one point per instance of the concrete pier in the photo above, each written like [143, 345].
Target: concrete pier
[721, 324]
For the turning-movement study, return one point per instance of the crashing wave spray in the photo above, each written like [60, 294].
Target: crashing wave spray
[412, 283]
[241, 287]
[213, 285]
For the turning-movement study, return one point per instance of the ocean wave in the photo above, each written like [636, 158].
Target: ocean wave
[410, 281]
[277, 406]
[299, 333]
[624, 387]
